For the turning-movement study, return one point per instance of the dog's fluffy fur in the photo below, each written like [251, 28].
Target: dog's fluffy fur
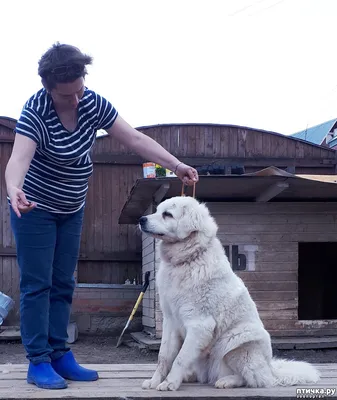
[212, 332]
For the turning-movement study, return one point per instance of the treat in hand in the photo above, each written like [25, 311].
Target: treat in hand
[19, 202]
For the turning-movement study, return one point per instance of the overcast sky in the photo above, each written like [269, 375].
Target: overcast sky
[266, 64]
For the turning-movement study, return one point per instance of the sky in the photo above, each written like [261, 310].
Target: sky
[265, 64]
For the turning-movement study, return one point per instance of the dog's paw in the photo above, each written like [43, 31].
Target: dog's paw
[149, 384]
[230, 381]
[167, 386]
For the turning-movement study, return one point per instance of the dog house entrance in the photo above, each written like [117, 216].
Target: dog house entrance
[317, 277]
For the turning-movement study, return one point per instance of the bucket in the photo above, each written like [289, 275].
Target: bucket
[149, 170]
[6, 304]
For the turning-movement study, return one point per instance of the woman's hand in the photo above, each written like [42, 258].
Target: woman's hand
[19, 202]
[16, 170]
[188, 175]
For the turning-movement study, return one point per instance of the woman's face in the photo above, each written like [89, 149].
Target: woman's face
[66, 96]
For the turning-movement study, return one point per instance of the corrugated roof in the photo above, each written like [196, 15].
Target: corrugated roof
[316, 134]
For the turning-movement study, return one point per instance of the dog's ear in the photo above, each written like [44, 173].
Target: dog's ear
[198, 219]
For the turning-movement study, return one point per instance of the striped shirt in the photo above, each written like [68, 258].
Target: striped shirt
[57, 179]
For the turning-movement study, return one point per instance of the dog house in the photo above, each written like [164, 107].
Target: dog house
[279, 231]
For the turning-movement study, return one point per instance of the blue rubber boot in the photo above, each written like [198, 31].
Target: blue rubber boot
[44, 377]
[68, 368]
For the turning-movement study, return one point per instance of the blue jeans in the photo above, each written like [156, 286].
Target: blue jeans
[47, 246]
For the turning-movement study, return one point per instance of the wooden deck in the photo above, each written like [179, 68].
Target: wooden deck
[123, 381]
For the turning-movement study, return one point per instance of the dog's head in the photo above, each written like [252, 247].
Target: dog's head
[177, 219]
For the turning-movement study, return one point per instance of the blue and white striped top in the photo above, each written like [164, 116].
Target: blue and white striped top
[57, 179]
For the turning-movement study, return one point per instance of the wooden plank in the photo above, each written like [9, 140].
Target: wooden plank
[262, 276]
[134, 384]
[7, 276]
[124, 381]
[184, 139]
[302, 326]
[242, 136]
[113, 256]
[98, 367]
[9, 333]
[268, 225]
[146, 374]
[308, 343]
[200, 143]
[282, 209]
[320, 236]
[8, 123]
[273, 296]
[97, 232]
[271, 286]
[164, 137]
[263, 305]
[249, 144]
[299, 150]
[6, 133]
[291, 149]
[134, 393]
[302, 332]
[130, 367]
[175, 140]
[277, 314]
[11, 371]
[224, 136]
[217, 145]
[124, 180]
[208, 134]
[131, 377]
[233, 148]
[263, 162]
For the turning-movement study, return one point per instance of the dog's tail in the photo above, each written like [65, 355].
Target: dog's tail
[289, 372]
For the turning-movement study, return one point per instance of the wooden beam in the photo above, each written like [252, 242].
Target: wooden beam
[6, 140]
[272, 191]
[7, 251]
[263, 162]
[112, 256]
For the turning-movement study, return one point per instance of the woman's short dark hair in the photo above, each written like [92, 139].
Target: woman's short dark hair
[62, 63]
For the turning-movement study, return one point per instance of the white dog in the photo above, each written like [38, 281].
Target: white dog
[212, 332]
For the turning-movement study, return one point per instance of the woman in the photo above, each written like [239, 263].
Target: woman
[47, 181]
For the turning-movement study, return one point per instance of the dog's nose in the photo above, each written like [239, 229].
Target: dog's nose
[142, 221]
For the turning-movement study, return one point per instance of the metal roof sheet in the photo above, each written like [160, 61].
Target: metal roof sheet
[315, 134]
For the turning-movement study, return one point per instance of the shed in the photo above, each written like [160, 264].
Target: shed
[280, 234]
[278, 228]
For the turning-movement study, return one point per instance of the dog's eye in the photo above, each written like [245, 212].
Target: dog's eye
[167, 214]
